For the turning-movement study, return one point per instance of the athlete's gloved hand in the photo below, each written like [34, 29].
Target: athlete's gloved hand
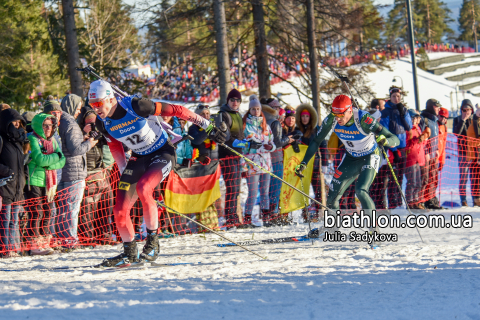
[299, 169]
[216, 134]
[240, 143]
[382, 140]
[60, 155]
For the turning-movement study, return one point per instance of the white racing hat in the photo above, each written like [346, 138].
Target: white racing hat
[100, 89]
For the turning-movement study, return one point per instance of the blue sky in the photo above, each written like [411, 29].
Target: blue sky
[453, 5]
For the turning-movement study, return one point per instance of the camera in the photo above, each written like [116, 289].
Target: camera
[296, 135]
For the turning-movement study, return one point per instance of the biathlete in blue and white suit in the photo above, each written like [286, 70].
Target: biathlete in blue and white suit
[134, 122]
[361, 134]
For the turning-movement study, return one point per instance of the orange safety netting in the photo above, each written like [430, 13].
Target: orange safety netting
[34, 222]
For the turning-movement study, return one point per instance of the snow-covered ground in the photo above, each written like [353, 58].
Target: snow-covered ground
[439, 55]
[430, 85]
[437, 279]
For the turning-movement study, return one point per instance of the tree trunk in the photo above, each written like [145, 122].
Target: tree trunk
[261, 49]
[429, 29]
[312, 48]
[222, 50]
[73, 55]
[474, 27]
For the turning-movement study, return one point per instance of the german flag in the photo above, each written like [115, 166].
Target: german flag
[191, 190]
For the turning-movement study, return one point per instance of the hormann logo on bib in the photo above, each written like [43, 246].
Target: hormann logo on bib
[124, 124]
[347, 131]
[142, 135]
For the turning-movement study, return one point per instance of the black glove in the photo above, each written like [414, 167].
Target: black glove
[255, 145]
[218, 135]
[60, 155]
[401, 109]
[96, 135]
[397, 157]
[297, 135]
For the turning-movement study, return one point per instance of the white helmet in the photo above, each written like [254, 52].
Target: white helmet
[100, 89]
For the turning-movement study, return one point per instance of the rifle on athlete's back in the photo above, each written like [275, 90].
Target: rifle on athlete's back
[92, 72]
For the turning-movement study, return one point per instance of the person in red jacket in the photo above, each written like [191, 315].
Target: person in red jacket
[415, 152]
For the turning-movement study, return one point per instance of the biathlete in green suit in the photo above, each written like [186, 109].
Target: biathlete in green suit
[361, 135]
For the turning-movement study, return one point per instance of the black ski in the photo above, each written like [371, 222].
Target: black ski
[266, 241]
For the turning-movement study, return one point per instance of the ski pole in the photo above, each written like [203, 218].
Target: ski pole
[273, 175]
[204, 226]
[399, 187]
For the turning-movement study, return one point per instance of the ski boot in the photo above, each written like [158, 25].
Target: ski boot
[317, 233]
[152, 247]
[130, 255]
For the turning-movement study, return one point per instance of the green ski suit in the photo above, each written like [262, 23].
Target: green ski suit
[362, 159]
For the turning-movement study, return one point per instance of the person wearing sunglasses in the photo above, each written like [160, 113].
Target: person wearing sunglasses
[134, 122]
[361, 134]
[460, 129]
[46, 158]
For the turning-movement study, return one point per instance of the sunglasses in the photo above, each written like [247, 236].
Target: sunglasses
[465, 110]
[97, 104]
[339, 115]
[235, 100]
[201, 107]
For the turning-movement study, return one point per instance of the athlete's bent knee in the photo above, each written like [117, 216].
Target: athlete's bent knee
[121, 217]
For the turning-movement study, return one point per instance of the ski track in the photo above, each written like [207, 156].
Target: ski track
[297, 281]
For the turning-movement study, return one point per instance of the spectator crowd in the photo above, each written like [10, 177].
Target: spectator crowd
[187, 82]
[58, 179]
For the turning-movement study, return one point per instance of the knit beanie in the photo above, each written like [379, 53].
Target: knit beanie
[234, 93]
[254, 102]
[274, 103]
[51, 105]
[199, 109]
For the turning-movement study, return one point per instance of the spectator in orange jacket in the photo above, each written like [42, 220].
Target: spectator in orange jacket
[442, 137]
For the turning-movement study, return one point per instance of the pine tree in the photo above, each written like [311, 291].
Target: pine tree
[433, 23]
[26, 68]
[469, 21]
[430, 21]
